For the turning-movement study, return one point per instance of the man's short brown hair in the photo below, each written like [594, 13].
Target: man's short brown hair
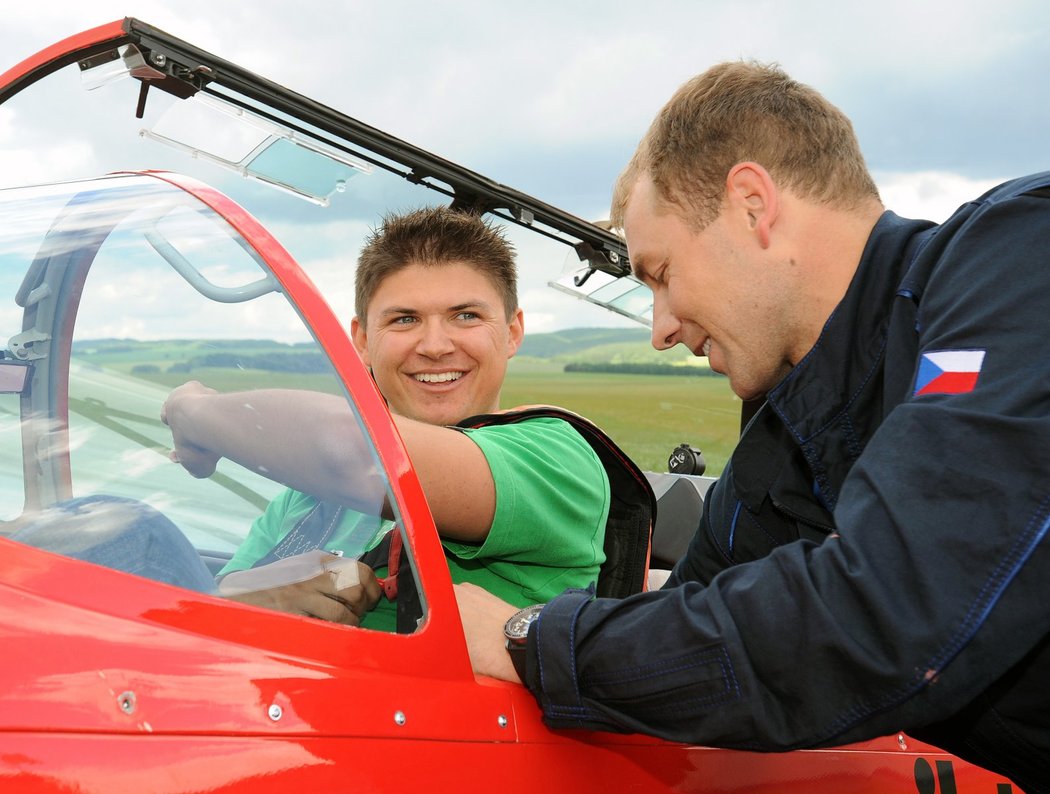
[435, 236]
[742, 111]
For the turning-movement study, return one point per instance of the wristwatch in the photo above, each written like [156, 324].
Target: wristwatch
[516, 630]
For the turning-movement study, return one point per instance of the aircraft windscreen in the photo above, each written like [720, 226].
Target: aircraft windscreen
[246, 143]
[132, 117]
[120, 289]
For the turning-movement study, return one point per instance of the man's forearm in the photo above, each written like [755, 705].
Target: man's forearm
[483, 616]
[308, 441]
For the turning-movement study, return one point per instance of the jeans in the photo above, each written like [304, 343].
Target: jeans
[122, 534]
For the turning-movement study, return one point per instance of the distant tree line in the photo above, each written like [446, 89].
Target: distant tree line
[640, 368]
[297, 363]
[237, 344]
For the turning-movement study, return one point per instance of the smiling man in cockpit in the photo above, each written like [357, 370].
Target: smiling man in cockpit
[521, 505]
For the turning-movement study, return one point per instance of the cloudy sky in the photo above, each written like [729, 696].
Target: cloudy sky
[551, 96]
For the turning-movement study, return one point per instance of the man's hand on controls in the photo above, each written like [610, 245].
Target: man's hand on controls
[315, 584]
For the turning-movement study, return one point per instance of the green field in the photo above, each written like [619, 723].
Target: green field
[647, 415]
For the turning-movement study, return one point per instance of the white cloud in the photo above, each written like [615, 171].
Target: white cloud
[929, 194]
[27, 163]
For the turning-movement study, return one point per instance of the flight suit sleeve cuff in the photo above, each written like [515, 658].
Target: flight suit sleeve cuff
[551, 666]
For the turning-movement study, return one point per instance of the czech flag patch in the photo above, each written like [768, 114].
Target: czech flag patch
[948, 372]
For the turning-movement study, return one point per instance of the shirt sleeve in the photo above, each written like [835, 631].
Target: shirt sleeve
[933, 588]
[266, 530]
[552, 496]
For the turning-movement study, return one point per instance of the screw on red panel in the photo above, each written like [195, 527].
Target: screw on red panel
[126, 701]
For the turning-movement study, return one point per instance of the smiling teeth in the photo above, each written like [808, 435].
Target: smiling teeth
[707, 347]
[438, 377]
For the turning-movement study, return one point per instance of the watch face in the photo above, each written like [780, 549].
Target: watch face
[518, 626]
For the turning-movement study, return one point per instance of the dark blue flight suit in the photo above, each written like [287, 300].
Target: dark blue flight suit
[900, 572]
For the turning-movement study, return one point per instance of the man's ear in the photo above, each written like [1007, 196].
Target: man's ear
[752, 192]
[360, 339]
[517, 332]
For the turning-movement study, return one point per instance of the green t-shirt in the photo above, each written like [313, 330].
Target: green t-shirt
[355, 534]
[548, 533]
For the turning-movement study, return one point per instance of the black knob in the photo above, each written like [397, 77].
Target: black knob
[686, 460]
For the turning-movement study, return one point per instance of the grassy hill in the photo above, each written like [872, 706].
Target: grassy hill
[552, 351]
[573, 341]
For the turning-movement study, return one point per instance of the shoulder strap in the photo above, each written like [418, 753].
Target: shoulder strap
[632, 507]
[399, 584]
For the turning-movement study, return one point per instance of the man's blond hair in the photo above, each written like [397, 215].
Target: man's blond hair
[742, 111]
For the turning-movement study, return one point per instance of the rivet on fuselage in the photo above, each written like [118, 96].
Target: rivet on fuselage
[126, 700]
[275, 712]
[399, 717]
[502, 720]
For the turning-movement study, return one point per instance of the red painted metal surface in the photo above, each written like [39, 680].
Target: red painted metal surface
[278, 765]
[125, 684]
